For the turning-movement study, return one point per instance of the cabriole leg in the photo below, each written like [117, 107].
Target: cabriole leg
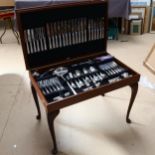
[134, 89]
[50, 118]
[36, 102]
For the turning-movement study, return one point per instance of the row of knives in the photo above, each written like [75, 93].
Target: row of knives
[63, 33]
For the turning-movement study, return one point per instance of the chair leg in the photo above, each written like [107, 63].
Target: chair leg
[3, 31]
[14, 32]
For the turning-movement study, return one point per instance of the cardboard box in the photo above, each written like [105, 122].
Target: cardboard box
[7, 3]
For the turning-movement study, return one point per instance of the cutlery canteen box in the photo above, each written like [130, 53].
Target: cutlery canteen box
[65, 52]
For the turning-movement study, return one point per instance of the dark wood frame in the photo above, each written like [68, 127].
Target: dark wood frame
[130, 22]
[53, 109]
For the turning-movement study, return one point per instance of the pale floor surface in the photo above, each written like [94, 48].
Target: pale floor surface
[93, 127]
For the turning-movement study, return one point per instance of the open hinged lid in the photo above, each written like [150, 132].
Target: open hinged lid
[63, 31]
